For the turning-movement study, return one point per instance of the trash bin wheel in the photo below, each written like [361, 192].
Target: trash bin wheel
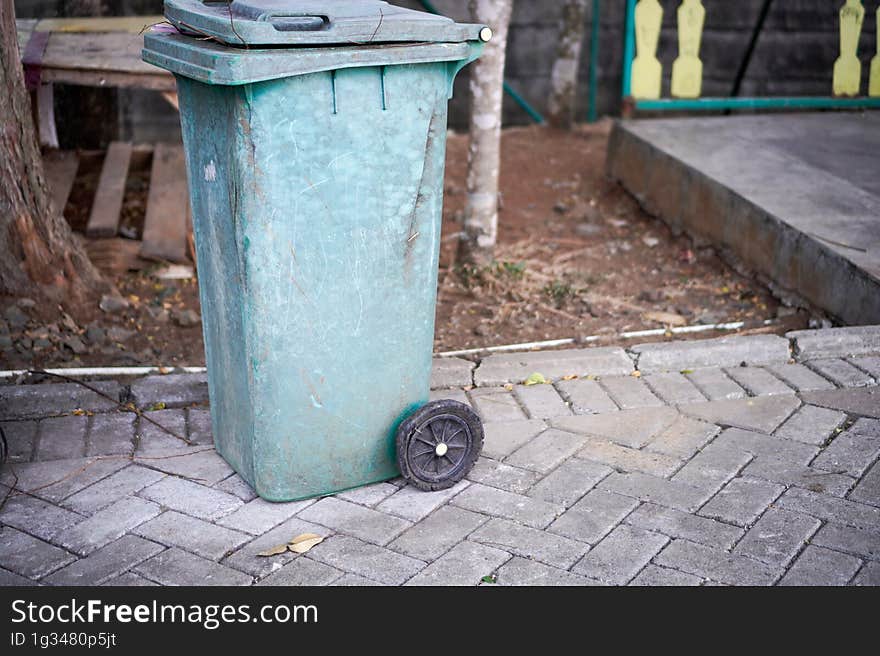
[438, 444]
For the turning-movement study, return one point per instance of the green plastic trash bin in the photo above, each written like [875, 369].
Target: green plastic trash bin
[315, 137]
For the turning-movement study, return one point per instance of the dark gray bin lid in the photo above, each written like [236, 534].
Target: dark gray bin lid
[315, 22]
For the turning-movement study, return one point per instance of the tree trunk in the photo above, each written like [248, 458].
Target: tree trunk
[484, 156]
[563, 79]
[38, 254]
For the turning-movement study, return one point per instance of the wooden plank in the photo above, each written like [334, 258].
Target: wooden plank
[132, 24]
[45, 99]
[60, 168]
[104, 218]
[165, 226]
[158, 82]
[111, 51]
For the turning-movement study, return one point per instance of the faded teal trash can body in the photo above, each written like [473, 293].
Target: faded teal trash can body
[316, 178]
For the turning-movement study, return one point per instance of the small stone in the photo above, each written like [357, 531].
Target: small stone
[185, 318]
[112, 303]
[709, 318]
[75, 344]
[117, 334]
[26, 303]
[482, 330]
[158, 313]
[650, 242]
[40, 344]
[587, 229]
[15, 317]
[5, 342]
[785, 311]
[652, 295]
[95, 334]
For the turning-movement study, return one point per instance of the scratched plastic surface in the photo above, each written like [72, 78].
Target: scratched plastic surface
[316, 206]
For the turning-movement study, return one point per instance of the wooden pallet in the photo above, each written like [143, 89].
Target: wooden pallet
[167, 224]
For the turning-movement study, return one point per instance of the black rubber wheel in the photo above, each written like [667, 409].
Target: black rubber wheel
[438, 444]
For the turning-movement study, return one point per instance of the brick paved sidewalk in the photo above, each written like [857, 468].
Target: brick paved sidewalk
[740, 461]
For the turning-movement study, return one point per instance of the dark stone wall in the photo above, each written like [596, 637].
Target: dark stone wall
[794, 56]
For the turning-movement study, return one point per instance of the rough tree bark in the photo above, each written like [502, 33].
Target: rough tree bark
[477, 245]
[39, 256]
[563, 79]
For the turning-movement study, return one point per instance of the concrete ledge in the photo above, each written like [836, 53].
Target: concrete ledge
[26, 401]
[719, 352]
[553, 365]
[752, 186]
[836, 342]
[451, 372]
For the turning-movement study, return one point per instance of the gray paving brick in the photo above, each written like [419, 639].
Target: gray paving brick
[238, 487]
[832, 342]
[716, 565]
[868, 489]
[677, 524]
[207, 540]
[10, 579]
[130, 580]
[547, 451]
[247, 560]
[505, 477]
[438, 395]
[673, 494]
[153, 441]
[673, 388]
[27, 556]
[174, 390]
[593, 517]
[857, 401]
[866, 427]
[742, 500]
[516, 367]
[303, 571]
[653, 576]
[712, 467]
[759, 444]
[191, 498]
[120, 484]
[107, 525]
[451, 372]
[569, 482]
[780, 471]
[496, 404]
[841, 372]
[777, 537]
[621, 555]
[800, 377]
[465, 564]
[758, 382]
[107, 563]
[199, 463]
[21, 437]
[521, 571]
[58, 479]
[349, 518]
[437, 533]
[585, 396]
[715, 384]
[491, 501]
[37, 517]
[811, 425]
[530, 543]
[413, 504]
[198, 424]
[856, 541]
[633, 428]
[722, 351]
[369, 495]
[177, 567]
[61, 438]
[367, 560]
[500, 439]
[30, 401]
[870, 365]
[763, 413]
[630, 392]
[851, 452]
[541, 401]
[683, 437]
[868, 575]
[821, 567]
[111, 434]
[830, 509]
[625, 459]
[353, 580]
[258, 516]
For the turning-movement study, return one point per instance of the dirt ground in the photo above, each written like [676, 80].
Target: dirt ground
[576, 257]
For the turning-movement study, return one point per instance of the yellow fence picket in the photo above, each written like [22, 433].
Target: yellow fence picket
[687, 70]
[647, 72]
[874, 80]
[848, 68]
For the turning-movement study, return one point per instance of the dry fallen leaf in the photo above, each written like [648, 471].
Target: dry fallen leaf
[274, 551]
[302, 543]
[570, 377]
